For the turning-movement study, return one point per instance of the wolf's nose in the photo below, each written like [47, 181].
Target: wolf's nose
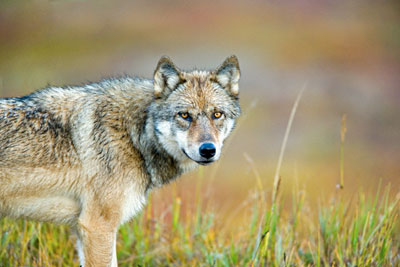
[207, 150]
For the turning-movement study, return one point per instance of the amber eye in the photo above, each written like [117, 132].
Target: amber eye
[184, 115]
[217, 115]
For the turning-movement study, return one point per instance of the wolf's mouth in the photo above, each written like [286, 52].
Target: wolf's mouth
[205, 162]
[201, 162]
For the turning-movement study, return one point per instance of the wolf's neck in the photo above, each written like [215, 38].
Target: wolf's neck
[160, 166]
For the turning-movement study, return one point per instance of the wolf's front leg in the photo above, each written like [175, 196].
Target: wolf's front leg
[81, 253]
[97, 240]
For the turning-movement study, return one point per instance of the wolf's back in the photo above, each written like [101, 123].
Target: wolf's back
[39, 129]
[35, 129]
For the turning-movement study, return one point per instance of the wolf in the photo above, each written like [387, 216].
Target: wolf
[88, 155]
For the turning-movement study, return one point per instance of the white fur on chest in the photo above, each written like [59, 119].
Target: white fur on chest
[133, 202]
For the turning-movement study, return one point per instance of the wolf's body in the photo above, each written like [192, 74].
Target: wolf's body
[88, 155]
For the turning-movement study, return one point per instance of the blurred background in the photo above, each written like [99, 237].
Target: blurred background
[347, 52]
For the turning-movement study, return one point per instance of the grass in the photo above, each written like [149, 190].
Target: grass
[362, 231]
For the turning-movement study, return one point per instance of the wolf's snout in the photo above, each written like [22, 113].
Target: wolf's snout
[207, 150]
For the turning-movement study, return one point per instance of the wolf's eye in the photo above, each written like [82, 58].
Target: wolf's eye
[185, 116]
[217, 115]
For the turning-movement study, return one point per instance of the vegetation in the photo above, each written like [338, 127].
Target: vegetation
[361, 231]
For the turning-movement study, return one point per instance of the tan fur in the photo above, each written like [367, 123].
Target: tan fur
[88, 155]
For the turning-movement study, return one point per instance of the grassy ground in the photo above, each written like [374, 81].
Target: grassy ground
[361, 231]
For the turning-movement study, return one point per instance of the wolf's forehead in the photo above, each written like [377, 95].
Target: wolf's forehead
[200, 100]
[199, 92]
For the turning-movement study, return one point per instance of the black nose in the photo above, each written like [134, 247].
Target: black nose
[207, 150]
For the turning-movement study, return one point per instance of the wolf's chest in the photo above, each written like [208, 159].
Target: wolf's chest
[133, 202]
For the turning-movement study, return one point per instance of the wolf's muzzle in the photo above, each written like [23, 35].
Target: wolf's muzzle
[207, 150]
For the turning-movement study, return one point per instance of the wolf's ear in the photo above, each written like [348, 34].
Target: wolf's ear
[228, 75]
[166, 77]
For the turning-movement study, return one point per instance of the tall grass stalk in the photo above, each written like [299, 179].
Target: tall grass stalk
[283, 147]
[342, 137]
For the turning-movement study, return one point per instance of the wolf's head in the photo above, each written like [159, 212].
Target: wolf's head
[195, 110]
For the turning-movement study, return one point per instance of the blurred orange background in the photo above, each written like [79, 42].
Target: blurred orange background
[347, 52]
